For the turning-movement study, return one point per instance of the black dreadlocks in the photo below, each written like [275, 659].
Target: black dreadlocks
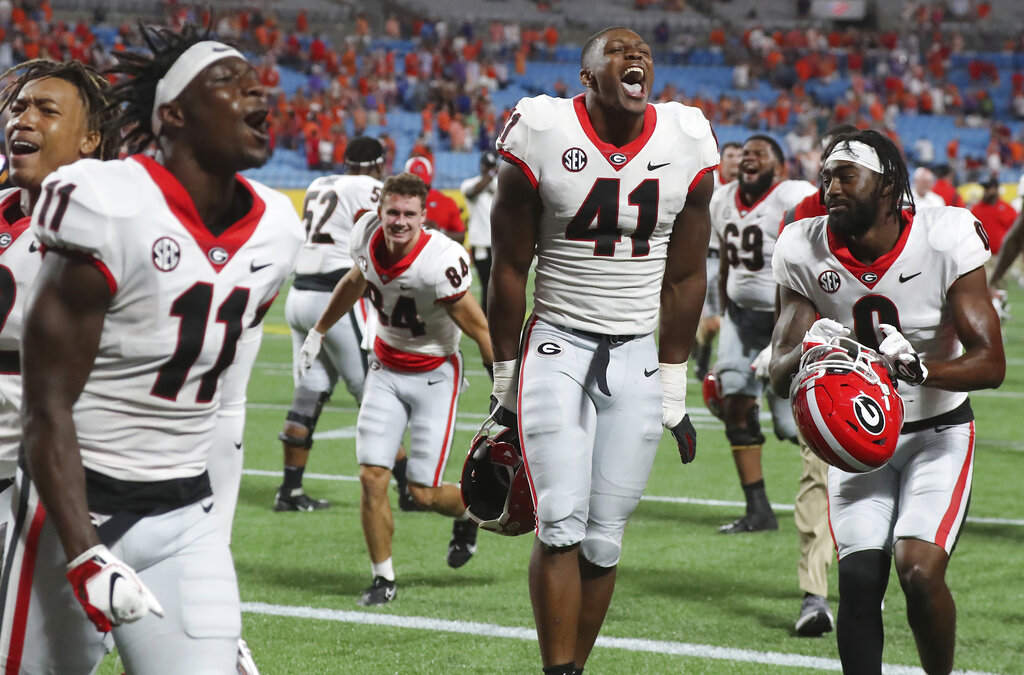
[894, 167]
[93, 88]
[133, 96]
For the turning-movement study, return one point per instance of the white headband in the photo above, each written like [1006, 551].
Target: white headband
[856, 152]
[191, 63]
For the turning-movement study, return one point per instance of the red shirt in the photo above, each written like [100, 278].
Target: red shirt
[945, 189]
[443, 213]
[809, 207]
[997, 219]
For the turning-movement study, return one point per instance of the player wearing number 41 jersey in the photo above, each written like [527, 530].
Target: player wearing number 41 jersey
[418, 281]
[611, 195]
[153, 269]
[912, 286]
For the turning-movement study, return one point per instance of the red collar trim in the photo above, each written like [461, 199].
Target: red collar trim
[10, 208]
[743, 208]
[220, 249]
[870, 275]
[629, 150]
[387, 274]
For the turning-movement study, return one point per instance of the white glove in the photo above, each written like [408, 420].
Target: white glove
[1001, 301]
[109, 590]
[900, 355]
[760, 363]
[504, 389]
[673, 393]
[308, 353]
[823, 330]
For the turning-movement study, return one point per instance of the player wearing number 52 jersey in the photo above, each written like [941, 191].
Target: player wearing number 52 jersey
[610, 193]
[331, 207]
[153, 269]
[418, 281]
[912, 286]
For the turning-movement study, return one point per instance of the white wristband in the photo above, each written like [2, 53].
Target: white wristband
[97, 550]
[504, 390]
[673, 389]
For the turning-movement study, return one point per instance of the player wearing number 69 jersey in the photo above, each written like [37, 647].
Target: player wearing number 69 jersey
[153, 270]
[912, 286]
[418, 281]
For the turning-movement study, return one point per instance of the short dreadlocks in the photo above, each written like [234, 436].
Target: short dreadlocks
[134, 95]
[93, 88]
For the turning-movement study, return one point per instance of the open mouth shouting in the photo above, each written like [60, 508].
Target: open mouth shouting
[633, 81]
[22, 148]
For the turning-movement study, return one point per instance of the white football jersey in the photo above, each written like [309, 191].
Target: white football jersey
[409, 296]
[180, 298]
[330, 208]
[907, 287]
[713, 243]
[608, 212]
[747, 236]
[19, 264]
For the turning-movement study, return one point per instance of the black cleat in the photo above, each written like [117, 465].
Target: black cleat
[379, 592]
[752, 522]
[815, 617]
[463, 544]
[406, 502]
[297, 500]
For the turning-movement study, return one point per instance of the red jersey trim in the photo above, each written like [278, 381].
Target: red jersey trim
[184, 209]
[387, 274]
[880, 266]
[743, 208]
[18, 225]
[948, 518]
[521, 164]
[449, 299]
[398, 359]
[631, 149]
[82, 255]
[700, 174]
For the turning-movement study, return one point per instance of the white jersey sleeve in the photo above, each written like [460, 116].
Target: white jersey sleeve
[453, 272]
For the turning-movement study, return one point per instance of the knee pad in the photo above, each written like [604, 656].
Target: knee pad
[305, 412]
[601, 552]
[747, 434]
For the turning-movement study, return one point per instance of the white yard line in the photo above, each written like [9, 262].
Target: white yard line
[491, 630]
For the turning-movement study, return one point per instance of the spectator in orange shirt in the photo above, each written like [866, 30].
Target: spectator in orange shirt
[442, 211]
[995, 215]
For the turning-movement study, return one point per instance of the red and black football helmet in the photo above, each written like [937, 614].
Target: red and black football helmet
[846, 406]
[495, 487]
[711, 388]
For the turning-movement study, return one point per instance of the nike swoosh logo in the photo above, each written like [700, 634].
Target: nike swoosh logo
[253, 267]
[652, 167]
[904, 279]
[33, 247]
[389, 593]
[940, 429]
[429, 382]
[238, 446]
[648, 373]
[207, 507]
[113, 581]
[220, 49]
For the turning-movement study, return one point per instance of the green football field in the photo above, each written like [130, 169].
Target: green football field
[688, 599]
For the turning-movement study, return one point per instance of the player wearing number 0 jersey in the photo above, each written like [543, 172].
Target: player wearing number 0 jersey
[156, 268]
[418, 281]
[330, 208]
[610, 193]
[911, 286]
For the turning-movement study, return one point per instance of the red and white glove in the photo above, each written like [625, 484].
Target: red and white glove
[109, 590]
[308, 353]
[822, 331]
[901, 356]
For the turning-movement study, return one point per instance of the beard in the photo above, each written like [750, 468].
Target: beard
[756, 188]
[856, 220]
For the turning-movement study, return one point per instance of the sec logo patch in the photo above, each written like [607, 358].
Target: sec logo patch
[166, 254]
[574, 159]
[829, 281]
[549, 349]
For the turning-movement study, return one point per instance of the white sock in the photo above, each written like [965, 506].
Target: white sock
[464, 516]
[384, 569]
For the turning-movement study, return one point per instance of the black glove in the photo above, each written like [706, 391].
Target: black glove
[686, 439]
[503, 415]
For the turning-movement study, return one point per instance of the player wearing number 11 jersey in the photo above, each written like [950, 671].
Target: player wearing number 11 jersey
[610, 193]
[153, 269]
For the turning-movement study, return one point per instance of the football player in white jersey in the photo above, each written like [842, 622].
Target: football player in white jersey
[611, 194]
[418, 281]
[156, 267]
[711, 315]
[745, 216]
[911, 286]
[331, 206]
[54, 117]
